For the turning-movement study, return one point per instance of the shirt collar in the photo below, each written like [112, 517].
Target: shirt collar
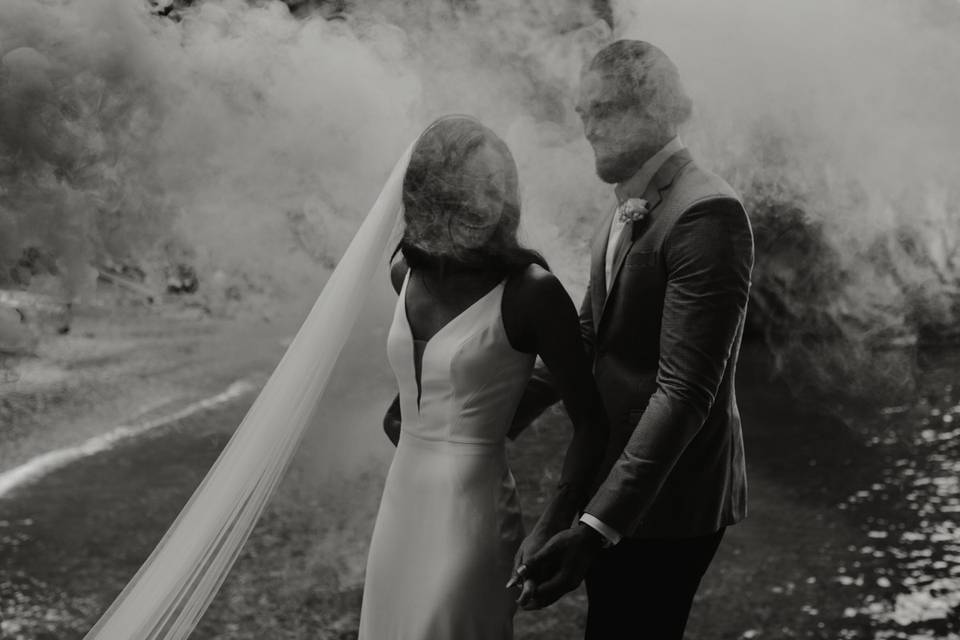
[634, 186]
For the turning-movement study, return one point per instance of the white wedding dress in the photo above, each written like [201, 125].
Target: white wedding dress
[449, 520]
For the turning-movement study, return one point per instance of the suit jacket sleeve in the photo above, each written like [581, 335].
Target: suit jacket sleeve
[540, 392]
[708, 257]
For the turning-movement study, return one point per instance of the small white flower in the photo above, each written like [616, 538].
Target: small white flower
[633, 210]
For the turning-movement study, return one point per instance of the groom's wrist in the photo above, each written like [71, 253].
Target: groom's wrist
[607, 534]
[595, 538]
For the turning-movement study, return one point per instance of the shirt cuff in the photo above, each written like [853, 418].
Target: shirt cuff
[611, 536]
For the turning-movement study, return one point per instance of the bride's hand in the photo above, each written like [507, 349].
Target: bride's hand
[559, 566]
[530, 546]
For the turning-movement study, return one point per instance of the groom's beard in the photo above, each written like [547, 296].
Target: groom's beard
[617, 168]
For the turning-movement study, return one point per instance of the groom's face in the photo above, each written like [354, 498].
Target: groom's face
[619, 129]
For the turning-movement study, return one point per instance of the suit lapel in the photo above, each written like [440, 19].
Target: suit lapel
[653, 194]
[632, 231]
[598, 256]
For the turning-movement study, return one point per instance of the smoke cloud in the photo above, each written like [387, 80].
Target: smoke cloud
[249, 140]
[837, 122]
[241, 136]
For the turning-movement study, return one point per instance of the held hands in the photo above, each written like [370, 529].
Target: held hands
[537, 539]
[554, 568]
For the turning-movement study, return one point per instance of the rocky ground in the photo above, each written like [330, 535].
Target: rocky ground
[853, 531]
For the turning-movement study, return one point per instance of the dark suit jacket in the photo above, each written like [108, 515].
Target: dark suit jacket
[665, 343]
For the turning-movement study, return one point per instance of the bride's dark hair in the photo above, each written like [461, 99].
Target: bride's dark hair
[445, 228]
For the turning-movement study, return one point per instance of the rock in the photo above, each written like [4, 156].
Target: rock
[182, 278]
[832, 329]
[27, 72]
[16, 338]
[36, 313]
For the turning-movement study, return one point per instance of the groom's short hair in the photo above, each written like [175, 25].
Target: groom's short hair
[646, 78]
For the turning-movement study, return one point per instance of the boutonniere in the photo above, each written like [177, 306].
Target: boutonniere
[633, 210]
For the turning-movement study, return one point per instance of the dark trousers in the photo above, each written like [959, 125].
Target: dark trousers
[642, 589]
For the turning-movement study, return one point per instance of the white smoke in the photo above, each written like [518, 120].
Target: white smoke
[855, 96]
[255, 140]
[861, 91]
[840, 117]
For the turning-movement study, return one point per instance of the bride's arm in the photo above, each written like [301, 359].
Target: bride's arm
[392, 421]
[547, 323]
[540, 393]
[392, 418]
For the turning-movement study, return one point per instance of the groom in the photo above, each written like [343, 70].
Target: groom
[663, 318]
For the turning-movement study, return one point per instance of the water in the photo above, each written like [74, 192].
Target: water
[854, 530]
[910, 569]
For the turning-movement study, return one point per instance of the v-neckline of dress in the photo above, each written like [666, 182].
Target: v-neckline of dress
[426, 343]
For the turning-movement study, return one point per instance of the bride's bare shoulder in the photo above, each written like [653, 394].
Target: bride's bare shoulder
[535, 307]
[536, 286]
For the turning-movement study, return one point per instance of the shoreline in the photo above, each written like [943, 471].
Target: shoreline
[823, 486]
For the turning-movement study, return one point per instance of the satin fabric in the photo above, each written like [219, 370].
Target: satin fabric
[449, 521]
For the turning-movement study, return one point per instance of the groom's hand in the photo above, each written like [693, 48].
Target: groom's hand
[559, 566]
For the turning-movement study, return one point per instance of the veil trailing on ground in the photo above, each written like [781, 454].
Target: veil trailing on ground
[171, 591]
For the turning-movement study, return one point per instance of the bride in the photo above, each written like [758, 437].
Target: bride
[474, 311]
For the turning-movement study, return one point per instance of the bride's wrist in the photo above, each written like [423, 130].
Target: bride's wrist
[596, 539]
[550, 524]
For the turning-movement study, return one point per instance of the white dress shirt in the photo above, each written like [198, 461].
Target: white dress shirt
[636, 184]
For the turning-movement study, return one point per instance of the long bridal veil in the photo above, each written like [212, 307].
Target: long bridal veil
[170, 592]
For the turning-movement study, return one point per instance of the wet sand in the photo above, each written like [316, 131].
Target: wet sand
[853, 526]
